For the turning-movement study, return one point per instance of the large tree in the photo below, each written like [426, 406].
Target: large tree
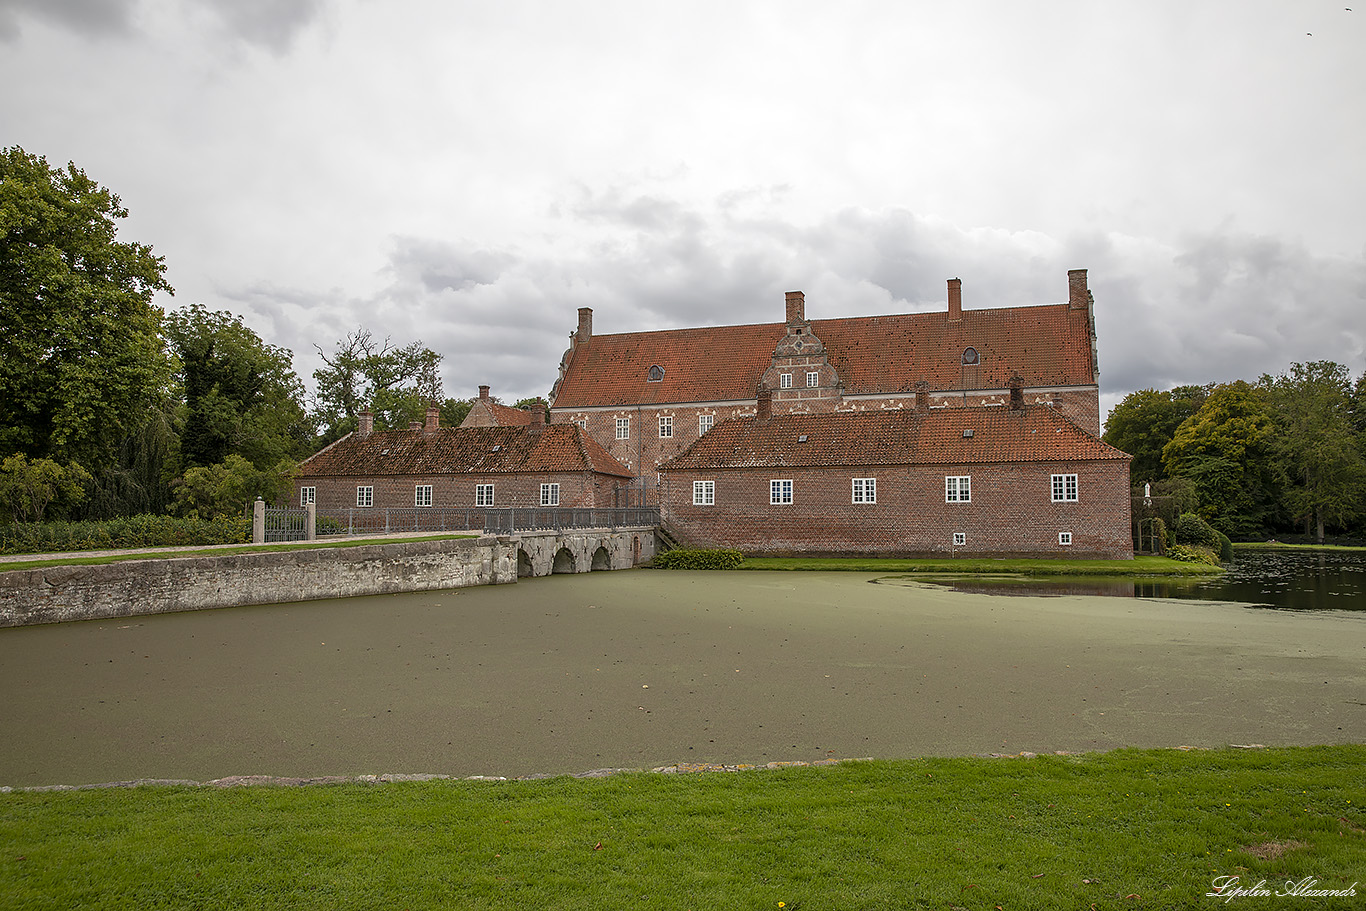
[1316, 443]
[242, 396]
[81, 355]
[1144, 422]
[1227, 449]
[396, 383]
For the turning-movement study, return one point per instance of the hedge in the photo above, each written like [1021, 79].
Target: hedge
[698, 559]
[117, 534]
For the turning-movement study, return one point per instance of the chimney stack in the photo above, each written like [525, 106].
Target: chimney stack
[367, 423]
[796, 308]
[414, 425]
[585, 332]
[433, 418]
[1016, 392]
[765, 403]
[483, 393]
[922, 397]
[955, 298]
[537, 415]
[1078, 297]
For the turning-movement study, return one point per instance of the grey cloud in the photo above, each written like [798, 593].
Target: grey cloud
[273, 24]
[435, 266]
[90, 18]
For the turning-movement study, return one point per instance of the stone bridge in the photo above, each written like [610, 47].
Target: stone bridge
[581, 550]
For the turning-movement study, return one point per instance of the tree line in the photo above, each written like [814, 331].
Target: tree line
[111, 407]
[1283, 454]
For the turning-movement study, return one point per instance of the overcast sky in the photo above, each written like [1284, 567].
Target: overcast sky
[471, 173]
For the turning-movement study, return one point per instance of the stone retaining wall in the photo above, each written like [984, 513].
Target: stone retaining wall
[131, 588]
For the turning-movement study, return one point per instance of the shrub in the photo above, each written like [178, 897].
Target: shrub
[698, 559]
[1188, 553]
[1225, 548]
[1191, 529]
[115, 534]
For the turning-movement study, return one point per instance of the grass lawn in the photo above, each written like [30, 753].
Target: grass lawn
[1277, 545]
[1127, 829]
[1138, 566]
[172, 553]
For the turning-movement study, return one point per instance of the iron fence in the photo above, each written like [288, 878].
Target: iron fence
[354, 521]
[286, 524]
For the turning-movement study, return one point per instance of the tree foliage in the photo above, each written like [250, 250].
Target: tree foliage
[395, 383]
[1144, 422]
[28, 487]
[229, 487]
[82, 350]
[242, 396]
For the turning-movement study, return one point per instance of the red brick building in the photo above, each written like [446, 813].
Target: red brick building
[998, 481]
[535, 464]
[647, 396]
[485, 412]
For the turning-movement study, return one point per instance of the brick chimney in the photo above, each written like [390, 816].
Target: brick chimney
[483, 393]
[765, 403]
[955, 298]
[367, 423]
[433, 418]
[1016, 392]
[1078, 297]
[922, 397]
[537, 415]
[414, 425]
[796, 308]
[585, 325]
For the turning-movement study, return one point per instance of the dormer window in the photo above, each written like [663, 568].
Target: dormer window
[970, 357]
[656, 374]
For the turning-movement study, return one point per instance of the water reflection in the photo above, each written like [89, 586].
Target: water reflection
[1259, 577]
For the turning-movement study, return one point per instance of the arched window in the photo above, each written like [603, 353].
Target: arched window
[969, 357]
[656, 374]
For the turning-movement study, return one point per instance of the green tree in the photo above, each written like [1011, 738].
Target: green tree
[1227, 450]
[1316, 443]
[230, 486]
[1144, 422]
[27, 487]
[395, 383]
[81, 356]
[454, 411]
[242, 396]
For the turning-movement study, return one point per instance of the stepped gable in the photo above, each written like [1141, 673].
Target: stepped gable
[461, 450]
[1035, 433]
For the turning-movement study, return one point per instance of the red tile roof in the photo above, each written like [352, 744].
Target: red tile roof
[507, 416]
[1036, 433]
[462, 450]
[1048, 345]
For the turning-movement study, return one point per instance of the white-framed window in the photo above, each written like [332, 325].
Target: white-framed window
[813, 378]
[483, 494]
[1064, 488]
[550, 494]
[704, 493]
[785, 381]
[958, 489]
[365, 496]
[623, 428]
[422, 495]
[865, 490]
[666, 426]
[780, 492]
[705, 422]
[582, 422]
[308, 495]
[1064, 537]
[960, 538]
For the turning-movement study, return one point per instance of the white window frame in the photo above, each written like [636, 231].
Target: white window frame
[1065, 538]
[813, 379]
[418, 498]
[550, 494]
[960, 539]
[1064, 488]
[666, 426]
[958, 488]
[704, 493]
[780, 492]
[308, 495]
[864, 490]
[365, 497]
[623, 428]
[483, 494]
[705, 422]
[785, 381]
[582, 422]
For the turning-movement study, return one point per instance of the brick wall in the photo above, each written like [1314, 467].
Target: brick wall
[1011, 511]
[578, 488]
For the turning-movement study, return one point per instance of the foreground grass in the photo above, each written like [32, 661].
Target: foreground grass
[1132, 829]
[1138, 566]
[217, 551]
